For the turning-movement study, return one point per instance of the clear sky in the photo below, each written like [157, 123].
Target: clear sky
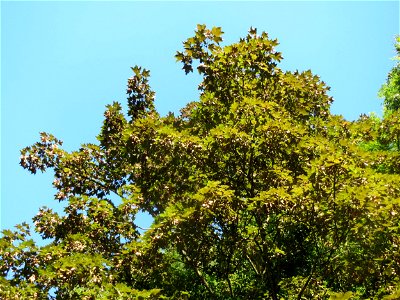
[62, 62]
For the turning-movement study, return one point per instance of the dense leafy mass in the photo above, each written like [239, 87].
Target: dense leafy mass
[256, 191]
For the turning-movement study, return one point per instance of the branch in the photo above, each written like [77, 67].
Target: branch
[252, 265]
[142, 228]
[198, 272]
[84, 176]
[230, 286]
[305, 285]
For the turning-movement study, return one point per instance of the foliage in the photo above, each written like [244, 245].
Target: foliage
[390, 91]
[256, 191]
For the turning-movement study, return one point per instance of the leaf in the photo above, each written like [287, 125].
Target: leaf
[341, 296]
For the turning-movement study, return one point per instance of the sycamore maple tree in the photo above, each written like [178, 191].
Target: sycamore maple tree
[256, 191]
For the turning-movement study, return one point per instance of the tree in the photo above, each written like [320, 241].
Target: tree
[390, 91]
[256, 191]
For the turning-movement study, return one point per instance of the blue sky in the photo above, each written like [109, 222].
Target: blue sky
[62, 62]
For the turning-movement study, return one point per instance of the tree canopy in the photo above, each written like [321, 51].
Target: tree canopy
[256, 191]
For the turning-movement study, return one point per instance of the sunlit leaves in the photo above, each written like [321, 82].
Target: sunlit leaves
[256, 191]
[390, 91]
[140, 96]
[41, 155]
